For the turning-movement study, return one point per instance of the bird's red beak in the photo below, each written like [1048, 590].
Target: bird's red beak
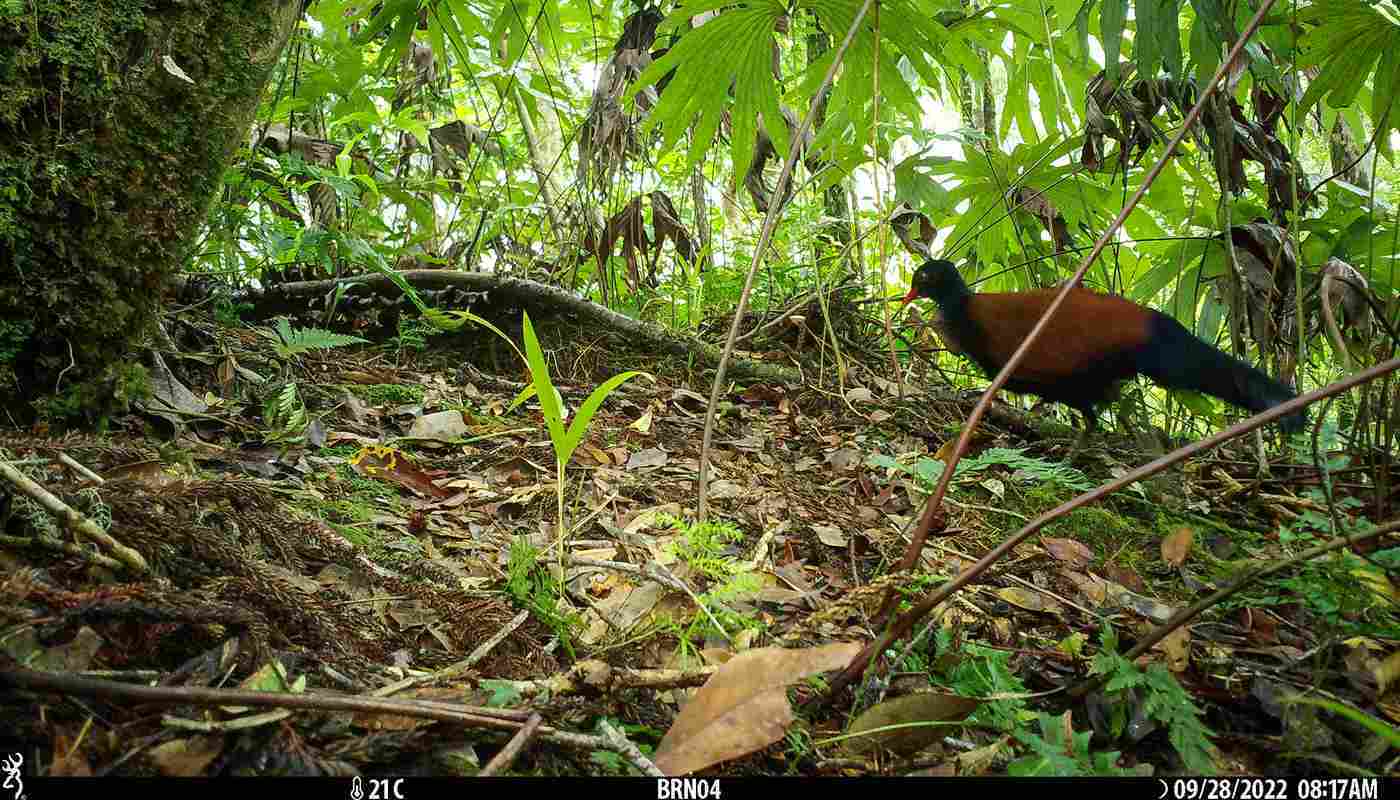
[909, 298]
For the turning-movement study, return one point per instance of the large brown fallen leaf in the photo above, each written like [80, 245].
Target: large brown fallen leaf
[908, 712]
[743, 707]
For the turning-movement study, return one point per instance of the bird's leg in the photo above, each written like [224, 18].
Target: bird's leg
[1090, 424]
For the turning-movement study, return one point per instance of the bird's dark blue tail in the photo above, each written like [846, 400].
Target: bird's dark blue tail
[1175, 358]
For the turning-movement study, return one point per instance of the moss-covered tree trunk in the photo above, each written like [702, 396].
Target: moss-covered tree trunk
[117, 118]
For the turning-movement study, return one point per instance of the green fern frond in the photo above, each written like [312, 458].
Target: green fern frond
[284, 414]
[290, 342]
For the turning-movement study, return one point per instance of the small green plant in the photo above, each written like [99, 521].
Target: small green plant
[701, 546]
[929, 470]
[285, 414]
[1058, 752]
[535, 589]
[1164, 701]
[228, 313]
[503, 693]
[1037, 468]
[288, 342]
[14, 334]
[388, 393]
[413, 334]
[970, 670]
[1329, 586]
[565, 441]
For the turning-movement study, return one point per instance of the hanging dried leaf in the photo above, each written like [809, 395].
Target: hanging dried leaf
[1344, 289]
[914, 229]
[1039, 206]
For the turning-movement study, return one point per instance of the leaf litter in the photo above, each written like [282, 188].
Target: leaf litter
[391, 553]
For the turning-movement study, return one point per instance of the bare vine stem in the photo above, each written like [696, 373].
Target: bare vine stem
[770, 221]
[935, 501]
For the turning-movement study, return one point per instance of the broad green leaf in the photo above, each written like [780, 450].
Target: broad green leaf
[544, 388]
[1158, 39]
[585, 412]
[525, 394]
[470, 317]
[1042, 75]
[1113, 15]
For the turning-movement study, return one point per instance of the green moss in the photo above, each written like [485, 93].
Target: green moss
[14, 334]
[387, 393]
[1099, 526]
[108, 160]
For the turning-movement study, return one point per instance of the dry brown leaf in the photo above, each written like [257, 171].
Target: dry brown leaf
[1155, 610]
[386, 463]
[150, 473]
[1387, 670]
[722, 490]
[946, 451]
[378, 721]
[1177, 545]
[1260, 625]
[442, 426]
[1076, 555]
[843, 458]
[1028, 600]
[186, 758]
[913, 708]
[650, 457]
[743, 707]
[948, 769]
[830, 535]
[1124, 576]
[1177, 647]
[68, 760]
[976, 762]
[75, 655]
[1095, 589]
[859, 394]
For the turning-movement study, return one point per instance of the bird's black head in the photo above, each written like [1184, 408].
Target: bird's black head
[937, 280]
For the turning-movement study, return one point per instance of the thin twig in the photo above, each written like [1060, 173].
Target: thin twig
[460, 667]
[621, 744]
[770, 221]
[514, 747]
[70, 462]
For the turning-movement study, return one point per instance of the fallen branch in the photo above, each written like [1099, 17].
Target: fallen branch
[594, 677]
[290, 297]
[501, 719]
[72, 519]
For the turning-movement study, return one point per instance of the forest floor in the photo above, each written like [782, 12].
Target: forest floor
[380, 523]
